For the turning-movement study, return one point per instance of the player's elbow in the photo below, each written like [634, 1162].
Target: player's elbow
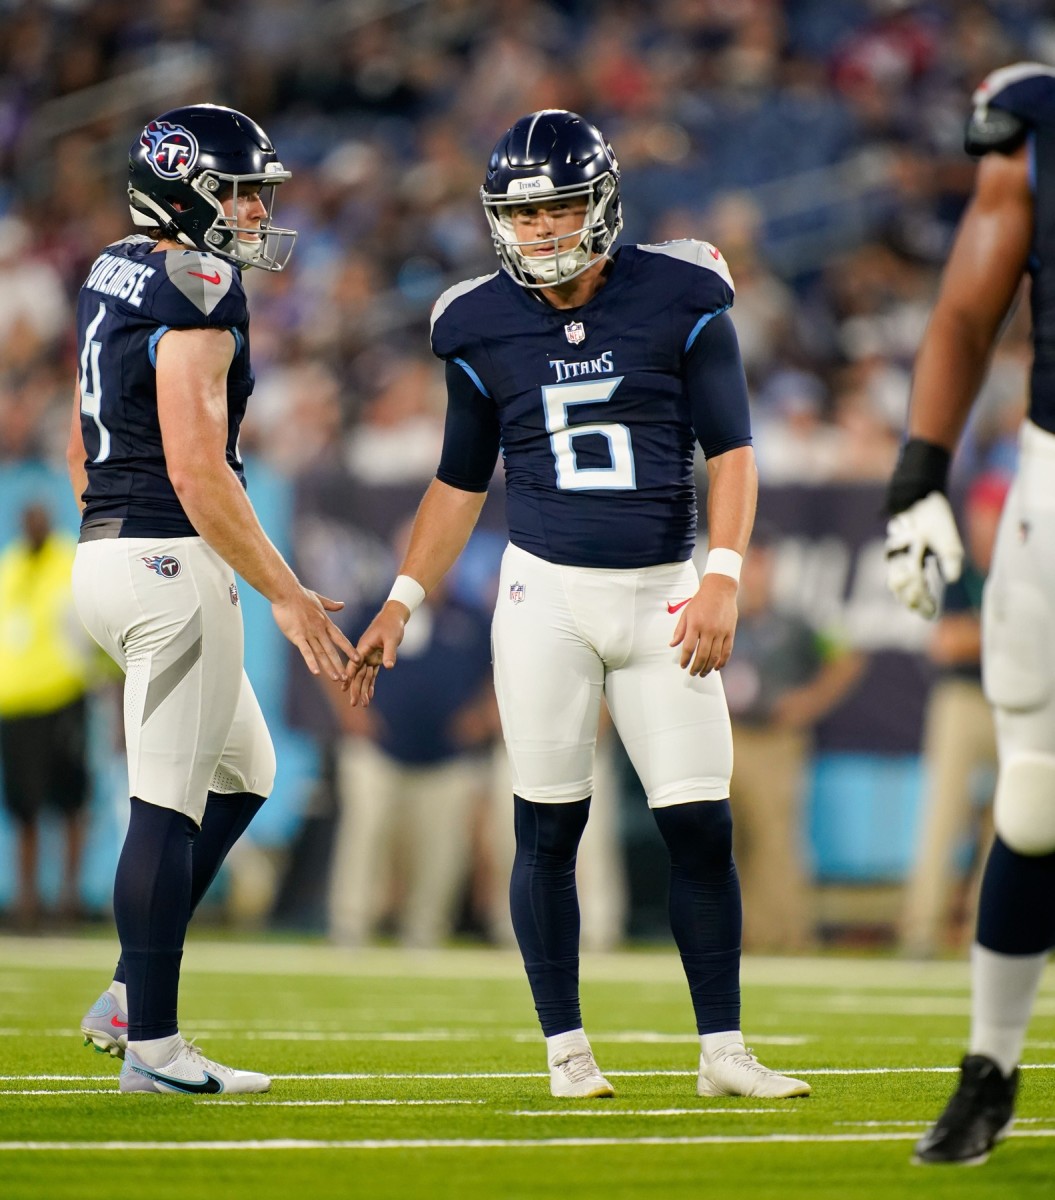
[192, 479]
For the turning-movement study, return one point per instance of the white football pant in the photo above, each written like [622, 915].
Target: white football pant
[561, 637]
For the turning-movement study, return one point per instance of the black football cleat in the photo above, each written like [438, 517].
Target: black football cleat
[978, 1115]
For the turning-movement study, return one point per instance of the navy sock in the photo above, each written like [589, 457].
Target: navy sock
[152, 907]
[1016, 909]
[545, 907]
[705, 912]
[226, 818]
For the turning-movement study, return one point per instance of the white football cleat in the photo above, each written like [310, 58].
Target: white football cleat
[189, 1073]
[734, 1071]
[576, 1076]
[105, 1026]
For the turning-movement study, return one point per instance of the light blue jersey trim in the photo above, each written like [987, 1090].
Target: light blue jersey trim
[152, 345]
[700, 324]
[159, 333]
[473, 376]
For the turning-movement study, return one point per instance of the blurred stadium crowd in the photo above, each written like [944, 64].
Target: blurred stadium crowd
[817, 143]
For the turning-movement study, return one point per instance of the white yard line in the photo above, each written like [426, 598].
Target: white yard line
[411, 1075]
[340, 1103]
[767, 1139]
[642, 1112]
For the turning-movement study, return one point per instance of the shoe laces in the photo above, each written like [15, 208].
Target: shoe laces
[744, 1058]
[198, 1056]
[578, 1066]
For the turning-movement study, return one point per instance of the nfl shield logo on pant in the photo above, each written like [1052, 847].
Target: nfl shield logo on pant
[516, 592]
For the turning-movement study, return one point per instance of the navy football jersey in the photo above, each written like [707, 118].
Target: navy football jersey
[129, 300]
[1027, 90]
[593, 413]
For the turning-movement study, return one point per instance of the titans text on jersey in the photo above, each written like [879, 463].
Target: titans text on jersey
[596, 409]
[130, 299]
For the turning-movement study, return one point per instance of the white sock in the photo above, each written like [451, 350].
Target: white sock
[711, 1043]
[559, 1045]
[119, 993]
[157, 1052]
[1003, 987]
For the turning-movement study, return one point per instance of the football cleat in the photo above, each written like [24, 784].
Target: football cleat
[979, 1114]
[105, 1026]
[576, 1076]
[190, 1073]
[734, 1071]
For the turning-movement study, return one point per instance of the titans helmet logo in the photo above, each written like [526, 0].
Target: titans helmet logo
[171, 150]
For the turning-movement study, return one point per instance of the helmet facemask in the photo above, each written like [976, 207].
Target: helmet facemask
[601, 225]
[266, 246]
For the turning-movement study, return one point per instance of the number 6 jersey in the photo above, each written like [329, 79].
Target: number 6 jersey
[596, 409]
[131, 298]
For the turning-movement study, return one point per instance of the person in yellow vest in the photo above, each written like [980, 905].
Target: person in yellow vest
[43, 681]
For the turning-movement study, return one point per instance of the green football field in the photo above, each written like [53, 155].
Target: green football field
[401, 1075]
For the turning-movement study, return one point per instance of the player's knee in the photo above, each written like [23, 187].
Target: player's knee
[549, 832]
[1024, 810]
[699, 836]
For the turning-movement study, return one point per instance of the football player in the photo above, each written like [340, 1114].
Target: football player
[596, 372]
[163, 343]
[1005, 232]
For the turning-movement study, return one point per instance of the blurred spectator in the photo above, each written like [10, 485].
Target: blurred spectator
[780, 681]
[817, 144]
[794, 443]
[43, 711]
[959, 746]
[411, 770]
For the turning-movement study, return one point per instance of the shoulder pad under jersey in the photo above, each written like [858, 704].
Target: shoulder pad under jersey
[1006, 104]
[199, 289]
[700, 254]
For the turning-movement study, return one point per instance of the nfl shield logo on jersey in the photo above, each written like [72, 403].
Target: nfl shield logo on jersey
[516, 592]
[575, 332]
[233, 589]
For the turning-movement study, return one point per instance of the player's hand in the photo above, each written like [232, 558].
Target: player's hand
[376, 649]
[302, 618]
[707, 624]
[926, 529]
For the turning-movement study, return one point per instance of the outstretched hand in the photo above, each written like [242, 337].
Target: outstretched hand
[376, 649]
[302, 618]
[707, 625]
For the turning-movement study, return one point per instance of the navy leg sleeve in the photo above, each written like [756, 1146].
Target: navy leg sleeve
[545, 906]
[705, 912]
[226, 818]
[1016, 909]
[152, 893]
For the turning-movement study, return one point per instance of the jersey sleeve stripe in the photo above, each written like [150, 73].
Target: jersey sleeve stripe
[473, 376]
[152, 345]
[703, 321]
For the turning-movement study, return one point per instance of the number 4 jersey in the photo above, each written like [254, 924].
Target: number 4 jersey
[131, 298]
[596, 410]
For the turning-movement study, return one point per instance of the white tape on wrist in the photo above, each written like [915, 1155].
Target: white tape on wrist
[407, 591]
[721, 561]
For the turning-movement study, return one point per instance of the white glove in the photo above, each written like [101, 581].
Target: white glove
[925, 529]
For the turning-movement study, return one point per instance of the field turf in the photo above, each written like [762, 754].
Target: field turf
[399, 1076]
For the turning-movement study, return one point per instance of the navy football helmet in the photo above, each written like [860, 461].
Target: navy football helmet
[552, 155]
[183, 166]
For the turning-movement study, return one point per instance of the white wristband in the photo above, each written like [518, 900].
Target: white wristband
[721, 561]
[407, 591]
